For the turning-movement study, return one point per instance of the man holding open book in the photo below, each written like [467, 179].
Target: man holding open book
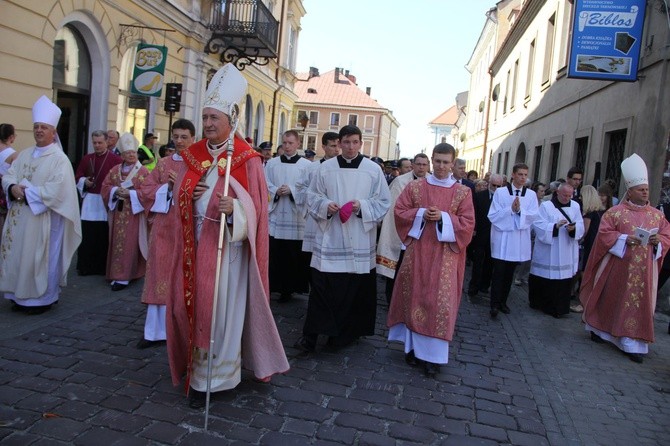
[619, 286]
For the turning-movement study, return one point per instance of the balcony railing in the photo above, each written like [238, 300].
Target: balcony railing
[243, 32]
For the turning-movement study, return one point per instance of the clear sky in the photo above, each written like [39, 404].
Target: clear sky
[411, 53]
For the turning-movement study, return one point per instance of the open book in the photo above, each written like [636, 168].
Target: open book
[644, 234]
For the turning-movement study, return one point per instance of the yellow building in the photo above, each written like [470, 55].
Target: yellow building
[81, 54]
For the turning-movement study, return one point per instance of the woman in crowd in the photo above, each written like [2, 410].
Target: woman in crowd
[593, 208]
[7, 156]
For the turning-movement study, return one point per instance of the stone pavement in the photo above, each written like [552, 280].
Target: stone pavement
[74, 376]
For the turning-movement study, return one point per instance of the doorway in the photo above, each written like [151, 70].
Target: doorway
[73, 124]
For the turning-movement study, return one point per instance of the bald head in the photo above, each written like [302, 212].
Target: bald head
[564, 193]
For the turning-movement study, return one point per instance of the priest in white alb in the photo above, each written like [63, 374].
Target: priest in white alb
[43, 229]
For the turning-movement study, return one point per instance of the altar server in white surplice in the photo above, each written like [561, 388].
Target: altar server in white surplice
[348, 199]
[512, 212]
[43, 229]
[558, 228]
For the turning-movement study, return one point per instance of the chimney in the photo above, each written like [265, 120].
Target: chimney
[313, 72]
[337, 75]
[352, 78]
[346, 73]
[367, 90]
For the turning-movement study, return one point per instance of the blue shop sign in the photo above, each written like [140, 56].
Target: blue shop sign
[606, 36]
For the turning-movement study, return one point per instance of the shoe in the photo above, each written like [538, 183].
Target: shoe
[118, 286]
[635, 357]
[493, 313]
[577, 308]
[306, 344]
[38, 309]
[431, 369]
[285, 297]
[144, 343]
[196, 399]
[410, 359]
[338, 343]
[597, 339]
[505, 309]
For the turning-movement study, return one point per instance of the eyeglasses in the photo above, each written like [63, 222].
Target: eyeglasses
[495, 185]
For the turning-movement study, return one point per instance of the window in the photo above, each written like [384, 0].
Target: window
[555, 151]
[313, 119]
[369, 126]
[531, 63]
[515, 80]
[292, 43]
[334, 119]
[506, 91]
[616, 144]
[581, 146]
[311, 142]
[353, 120]
[499, 163]
[537, 163]
[548, 50]
[506, 164]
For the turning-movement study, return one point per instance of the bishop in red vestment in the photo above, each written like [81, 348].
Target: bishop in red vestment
[619, 286]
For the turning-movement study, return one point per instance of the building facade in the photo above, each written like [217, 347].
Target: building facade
[81, 54]
[326, 102]
[539, 116]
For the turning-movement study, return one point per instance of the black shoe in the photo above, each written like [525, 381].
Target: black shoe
[196, 399]
[144, 343]
[635, 357]
[505, 309]
[285, 297]
[431, 369]
[306, 344]
[119, 286]
[411, 359]
[38, 309]
[597, 339]
[493, 313]
[335, 343]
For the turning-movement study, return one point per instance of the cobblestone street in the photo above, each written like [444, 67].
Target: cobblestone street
[74, 376]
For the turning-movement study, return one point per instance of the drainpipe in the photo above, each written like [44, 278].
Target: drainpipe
[279, 87]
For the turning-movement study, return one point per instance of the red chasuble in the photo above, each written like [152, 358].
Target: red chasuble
[619, 294]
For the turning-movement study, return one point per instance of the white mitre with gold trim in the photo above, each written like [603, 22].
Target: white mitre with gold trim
[46, 112]
[127, 142]
[226, 90]
[634, 171]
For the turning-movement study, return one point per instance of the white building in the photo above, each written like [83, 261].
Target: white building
[539, 116]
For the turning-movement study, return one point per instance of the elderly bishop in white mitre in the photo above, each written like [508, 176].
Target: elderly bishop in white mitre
[42, 230]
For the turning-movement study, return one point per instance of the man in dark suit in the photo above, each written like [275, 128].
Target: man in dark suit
[482, 266]
[458, 171]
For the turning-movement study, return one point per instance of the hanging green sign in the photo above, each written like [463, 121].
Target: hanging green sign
[149, 69]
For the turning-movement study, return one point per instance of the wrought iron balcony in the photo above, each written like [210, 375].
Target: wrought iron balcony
[244, 32]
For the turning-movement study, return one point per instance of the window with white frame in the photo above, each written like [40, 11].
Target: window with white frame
[369, 125]
[353, 120]
[313, 119]
[548, 50]
[335, 119]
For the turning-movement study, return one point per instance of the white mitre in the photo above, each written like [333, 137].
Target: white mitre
[226, 90]
[634, 171]
[46, 112]
[127, 142]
